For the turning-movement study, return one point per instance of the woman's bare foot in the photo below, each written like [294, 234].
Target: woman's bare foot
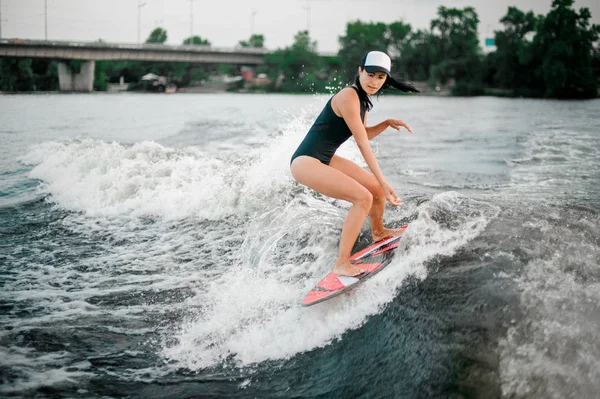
[347, 269]
[380, 235]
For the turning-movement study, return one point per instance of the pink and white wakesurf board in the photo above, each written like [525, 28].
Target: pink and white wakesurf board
[372, 260]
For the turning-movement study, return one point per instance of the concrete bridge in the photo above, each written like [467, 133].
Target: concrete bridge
[89, 52]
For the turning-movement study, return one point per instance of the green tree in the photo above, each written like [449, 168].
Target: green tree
[399, 34]
[417, 56]
[158, 35]
[195, 40]
[100, 78]
[456, 32]
[299, 65]
[174, 71]
[254, 41]
[131, 71]
[513, 56]
[26, 74]
[45, 74]
[16, 74]
[190, 73]
[458, 54]
[596, 61]
[359, 39]
[564, 42]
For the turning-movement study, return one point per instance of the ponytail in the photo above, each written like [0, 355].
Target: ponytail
[398, 85]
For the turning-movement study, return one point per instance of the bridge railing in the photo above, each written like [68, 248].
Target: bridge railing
[192, 48]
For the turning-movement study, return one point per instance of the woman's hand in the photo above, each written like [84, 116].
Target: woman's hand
[391, 195]
[397, 124]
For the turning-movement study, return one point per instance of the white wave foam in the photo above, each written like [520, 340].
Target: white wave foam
[99, 178]
[41, 370]
[253, 313]
[146, 179]
[246, 308]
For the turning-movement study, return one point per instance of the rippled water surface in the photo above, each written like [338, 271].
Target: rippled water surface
[157, 246]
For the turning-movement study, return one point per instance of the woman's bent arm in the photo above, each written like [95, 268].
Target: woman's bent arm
[374, 131]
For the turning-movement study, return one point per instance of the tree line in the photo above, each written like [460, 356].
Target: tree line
[556, 55]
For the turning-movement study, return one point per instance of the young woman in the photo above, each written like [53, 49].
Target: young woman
[315, 164]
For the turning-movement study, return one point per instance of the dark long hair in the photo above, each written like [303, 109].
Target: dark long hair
[363, 96]
[389, 83]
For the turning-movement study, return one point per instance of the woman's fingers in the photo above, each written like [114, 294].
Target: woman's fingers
[393, 198]
[401, 123]
[397, 124]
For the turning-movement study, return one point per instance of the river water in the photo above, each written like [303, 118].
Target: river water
[157, 246]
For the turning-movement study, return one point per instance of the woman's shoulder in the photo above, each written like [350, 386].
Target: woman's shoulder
[347, 94]
[349, 90]
[345, 98]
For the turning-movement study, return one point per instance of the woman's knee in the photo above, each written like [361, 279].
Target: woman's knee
[364, 199]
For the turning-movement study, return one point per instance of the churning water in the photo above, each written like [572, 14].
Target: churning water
[157, 246]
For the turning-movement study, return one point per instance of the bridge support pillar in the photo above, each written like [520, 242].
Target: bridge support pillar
[71, 81]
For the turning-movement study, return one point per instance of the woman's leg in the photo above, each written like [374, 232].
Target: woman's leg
[333, 183]
[369, 181]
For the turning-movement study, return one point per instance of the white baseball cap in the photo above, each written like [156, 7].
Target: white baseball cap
[377, 61]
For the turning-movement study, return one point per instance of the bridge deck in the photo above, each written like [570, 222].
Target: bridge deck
[134, 52]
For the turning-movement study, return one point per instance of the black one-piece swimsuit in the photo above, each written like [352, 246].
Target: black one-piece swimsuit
[326, 135]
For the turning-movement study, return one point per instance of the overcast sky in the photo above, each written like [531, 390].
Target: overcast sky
[225, 22]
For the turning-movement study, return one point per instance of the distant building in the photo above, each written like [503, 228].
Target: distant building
[247, 73]
[250, 80]
[261, 80]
